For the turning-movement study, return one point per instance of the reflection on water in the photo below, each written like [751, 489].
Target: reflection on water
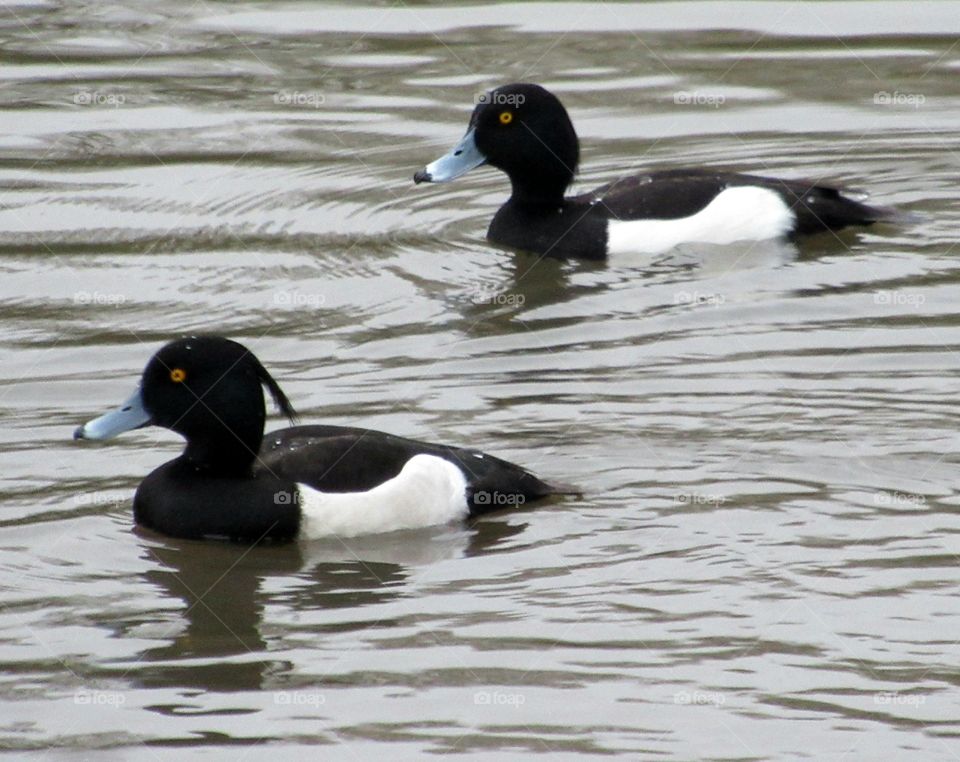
[764, 434]
[224, 612]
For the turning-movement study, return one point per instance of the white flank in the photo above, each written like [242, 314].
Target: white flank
[745, 213]
[428, 491]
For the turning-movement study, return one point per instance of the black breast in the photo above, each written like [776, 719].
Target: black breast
[575, 228]
[179, 501]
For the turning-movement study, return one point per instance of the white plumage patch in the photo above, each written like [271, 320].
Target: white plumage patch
[428, 491]
[744, 213]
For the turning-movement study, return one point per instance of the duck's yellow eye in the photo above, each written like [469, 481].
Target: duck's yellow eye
[178, 375]
[506, 117]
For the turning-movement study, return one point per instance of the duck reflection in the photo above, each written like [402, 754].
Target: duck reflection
[225, 590]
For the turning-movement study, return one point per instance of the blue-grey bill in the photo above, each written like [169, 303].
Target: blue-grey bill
[464, 157]
[130, 415]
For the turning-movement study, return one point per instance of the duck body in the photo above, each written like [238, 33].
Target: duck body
[526, 132]
[300, 482]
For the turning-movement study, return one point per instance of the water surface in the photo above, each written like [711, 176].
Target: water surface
[763, 564]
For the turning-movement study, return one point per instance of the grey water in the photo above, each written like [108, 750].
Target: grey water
[763, 564]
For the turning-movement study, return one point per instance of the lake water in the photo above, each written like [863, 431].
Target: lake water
[764, 561]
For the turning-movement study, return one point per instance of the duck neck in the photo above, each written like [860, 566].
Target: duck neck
[230, 453]
[546, 191]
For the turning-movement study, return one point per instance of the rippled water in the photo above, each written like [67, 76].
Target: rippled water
[764, 562]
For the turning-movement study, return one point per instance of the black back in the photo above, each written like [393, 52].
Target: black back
[348, 459]
[674, 193]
